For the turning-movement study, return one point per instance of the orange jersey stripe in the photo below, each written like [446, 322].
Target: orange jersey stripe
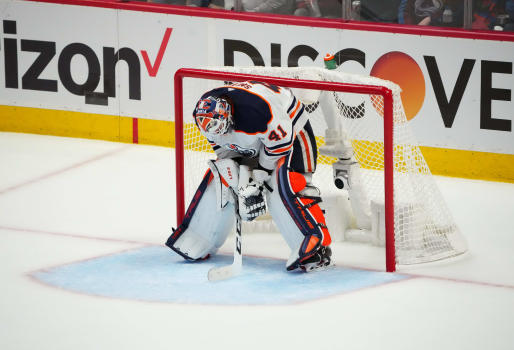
[292, 114]
[280, 150]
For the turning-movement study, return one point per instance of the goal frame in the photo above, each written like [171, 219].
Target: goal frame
[386, 93]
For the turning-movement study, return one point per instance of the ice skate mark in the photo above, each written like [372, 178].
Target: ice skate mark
[75, 235]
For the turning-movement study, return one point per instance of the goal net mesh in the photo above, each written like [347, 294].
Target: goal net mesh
[424, 229]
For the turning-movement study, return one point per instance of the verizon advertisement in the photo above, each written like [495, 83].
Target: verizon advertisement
[457, 93]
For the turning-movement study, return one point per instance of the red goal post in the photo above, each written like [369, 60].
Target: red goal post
[383, 91]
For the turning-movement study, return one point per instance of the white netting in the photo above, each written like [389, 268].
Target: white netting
[424, 228]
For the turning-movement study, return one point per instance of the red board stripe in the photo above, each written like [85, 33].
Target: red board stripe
[135, 130]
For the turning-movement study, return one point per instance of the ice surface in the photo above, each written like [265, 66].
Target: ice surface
[74, 203]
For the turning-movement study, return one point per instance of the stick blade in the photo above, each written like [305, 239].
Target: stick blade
[222, 273]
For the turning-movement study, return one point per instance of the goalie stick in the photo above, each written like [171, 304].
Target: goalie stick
[226, 272]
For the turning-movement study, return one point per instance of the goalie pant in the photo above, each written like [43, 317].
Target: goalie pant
[292, 202]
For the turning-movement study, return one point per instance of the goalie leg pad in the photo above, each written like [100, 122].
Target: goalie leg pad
[203, 229]
[296, 212]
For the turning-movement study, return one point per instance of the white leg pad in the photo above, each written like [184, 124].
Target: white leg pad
[208, 228]
[282, 219]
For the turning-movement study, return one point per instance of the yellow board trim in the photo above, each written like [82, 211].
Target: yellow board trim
[65, 123]
[446, 162]
[156, 132]
[470, 164]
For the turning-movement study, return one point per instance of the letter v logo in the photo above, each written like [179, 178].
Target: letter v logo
[153, 69]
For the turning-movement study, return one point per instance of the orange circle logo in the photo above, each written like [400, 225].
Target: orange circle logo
[401, 69]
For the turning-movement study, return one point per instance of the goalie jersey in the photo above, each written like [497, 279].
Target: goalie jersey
[266, 118]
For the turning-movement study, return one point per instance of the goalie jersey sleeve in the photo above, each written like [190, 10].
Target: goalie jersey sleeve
[267, 119]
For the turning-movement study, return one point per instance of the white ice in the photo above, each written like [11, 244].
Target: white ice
[64, 200]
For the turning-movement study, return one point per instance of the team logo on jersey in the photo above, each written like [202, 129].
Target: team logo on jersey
[247, 152]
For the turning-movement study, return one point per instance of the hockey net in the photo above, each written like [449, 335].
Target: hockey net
[398, 203]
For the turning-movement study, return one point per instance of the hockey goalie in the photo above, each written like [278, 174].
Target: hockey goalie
[266, 155]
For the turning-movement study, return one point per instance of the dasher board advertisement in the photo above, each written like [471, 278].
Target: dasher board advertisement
[457, 92]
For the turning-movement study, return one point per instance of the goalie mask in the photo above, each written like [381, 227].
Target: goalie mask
[213, 115]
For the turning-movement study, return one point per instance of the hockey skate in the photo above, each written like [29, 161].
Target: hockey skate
[320, 260]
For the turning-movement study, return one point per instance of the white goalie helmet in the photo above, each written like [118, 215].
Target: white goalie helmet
[213, 115]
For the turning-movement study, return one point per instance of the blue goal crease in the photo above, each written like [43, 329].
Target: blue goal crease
[156, 274]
